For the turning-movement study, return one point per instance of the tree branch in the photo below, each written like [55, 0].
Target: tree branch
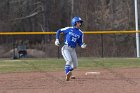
[29, 16]
[42, 28]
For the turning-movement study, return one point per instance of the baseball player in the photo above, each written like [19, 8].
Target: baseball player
[72, 36]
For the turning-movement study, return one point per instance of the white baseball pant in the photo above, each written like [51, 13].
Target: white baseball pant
[69, 56]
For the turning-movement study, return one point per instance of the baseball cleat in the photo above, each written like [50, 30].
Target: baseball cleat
[68, 76]
[73, 77]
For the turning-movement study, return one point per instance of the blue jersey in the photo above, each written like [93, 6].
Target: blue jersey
[73, 36]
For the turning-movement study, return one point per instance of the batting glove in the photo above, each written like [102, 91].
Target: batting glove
[57, 42]
[83, 45]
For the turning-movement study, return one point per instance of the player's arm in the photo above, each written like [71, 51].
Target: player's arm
[57, 43]
[81, 41]
[63, 30]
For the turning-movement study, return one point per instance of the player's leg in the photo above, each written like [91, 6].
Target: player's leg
[74, 62]
[74, 59]
[67, 56]
[72, 77]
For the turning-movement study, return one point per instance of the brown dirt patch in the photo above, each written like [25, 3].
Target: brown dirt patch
[108, 81]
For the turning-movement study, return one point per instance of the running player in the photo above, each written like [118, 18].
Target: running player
[72, 36]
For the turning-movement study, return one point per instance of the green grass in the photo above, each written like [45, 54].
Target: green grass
[54, 64]
[94, 63]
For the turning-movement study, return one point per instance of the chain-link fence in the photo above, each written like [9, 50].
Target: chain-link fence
[38, 46]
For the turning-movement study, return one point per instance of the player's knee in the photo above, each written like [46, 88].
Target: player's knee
[68, 62]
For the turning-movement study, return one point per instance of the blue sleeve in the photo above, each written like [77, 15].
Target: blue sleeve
[63, 30]
[58, 33]
[80, 40]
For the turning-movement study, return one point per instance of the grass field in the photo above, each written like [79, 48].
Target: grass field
[116, 75]
[54, 64]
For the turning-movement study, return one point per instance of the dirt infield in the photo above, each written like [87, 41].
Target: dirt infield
[108, 81]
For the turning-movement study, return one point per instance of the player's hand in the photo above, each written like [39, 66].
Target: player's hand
[83, 45]
[57, 42]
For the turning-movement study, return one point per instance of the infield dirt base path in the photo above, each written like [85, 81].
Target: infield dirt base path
[108, 81]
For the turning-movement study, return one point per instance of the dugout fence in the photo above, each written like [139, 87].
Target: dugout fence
[41, 44]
